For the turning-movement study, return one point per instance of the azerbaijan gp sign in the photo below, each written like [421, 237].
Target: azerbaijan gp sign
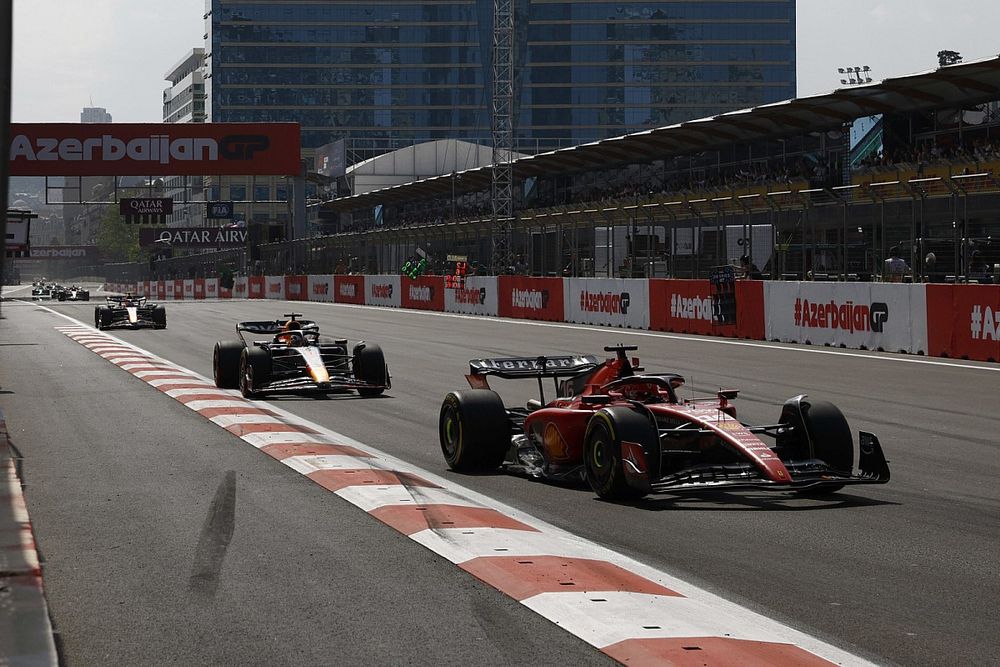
[150, 149]
[194, 237]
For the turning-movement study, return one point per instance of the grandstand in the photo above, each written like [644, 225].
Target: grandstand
[780, 183]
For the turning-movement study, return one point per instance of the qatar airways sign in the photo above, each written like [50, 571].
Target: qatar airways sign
[148, 149]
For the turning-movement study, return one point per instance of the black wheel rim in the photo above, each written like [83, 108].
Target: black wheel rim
[601, 457]
[451, 433]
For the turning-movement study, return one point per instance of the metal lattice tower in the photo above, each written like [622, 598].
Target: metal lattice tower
[502, 194]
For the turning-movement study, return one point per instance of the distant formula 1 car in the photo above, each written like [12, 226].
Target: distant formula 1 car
[295, 358]
[41, 291]
[130, 311]
[73, 293]
[628, 434]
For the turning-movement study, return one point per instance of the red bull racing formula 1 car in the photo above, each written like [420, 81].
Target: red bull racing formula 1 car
[294, 358]
[628, 433]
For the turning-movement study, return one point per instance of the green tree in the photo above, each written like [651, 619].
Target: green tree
[119, 242]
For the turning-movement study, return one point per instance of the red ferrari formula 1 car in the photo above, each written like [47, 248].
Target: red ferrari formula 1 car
[628, 434]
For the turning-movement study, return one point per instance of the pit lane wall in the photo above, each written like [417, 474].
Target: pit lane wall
[957, 321]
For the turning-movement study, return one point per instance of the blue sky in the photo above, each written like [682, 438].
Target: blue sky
[114, 53]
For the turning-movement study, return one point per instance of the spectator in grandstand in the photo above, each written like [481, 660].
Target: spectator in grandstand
[749, 270]
[978, 268]
[895, 267]
[930, 266]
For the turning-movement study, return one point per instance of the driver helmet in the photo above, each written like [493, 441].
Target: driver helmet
[291, 325]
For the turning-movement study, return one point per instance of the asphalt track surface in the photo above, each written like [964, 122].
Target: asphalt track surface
[123, 484]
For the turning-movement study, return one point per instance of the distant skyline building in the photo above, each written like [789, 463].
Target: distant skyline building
[419, 71]
[95, 115]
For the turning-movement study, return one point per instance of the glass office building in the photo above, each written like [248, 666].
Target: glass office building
[407, 70]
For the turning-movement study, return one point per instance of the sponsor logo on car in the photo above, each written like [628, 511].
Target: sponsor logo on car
[847, 316]
[529, 299]
[381, 290]
[528, 364]
[614, 303]
[694, 308]
[985, 323]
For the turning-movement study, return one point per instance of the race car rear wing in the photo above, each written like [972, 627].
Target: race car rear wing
[271, 327]
[533, 367]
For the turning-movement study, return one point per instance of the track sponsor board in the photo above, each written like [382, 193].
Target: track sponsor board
[682, 306]
[617, 302]
[382, 291]
[188, 288]
[241, 288]
[256, 287]
[297, 288]
[63, 252]
[193, 237]
[530, 298]
[477, 297]
[963, 321]
[161, 289]
[199, 288]
[422, 293]
[274, 287]
[154, 149]
[873, 316]
[320, 288]
[349, 289]
[211, 288]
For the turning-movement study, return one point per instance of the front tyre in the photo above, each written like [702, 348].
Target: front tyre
[602, 454]
[821, 432]
[226, 364]
[474, 430]
[159, 317]
[255, 371]
[369, 366]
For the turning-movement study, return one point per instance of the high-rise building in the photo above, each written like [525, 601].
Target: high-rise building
[95, 115]
[421, 70]
[184, 102]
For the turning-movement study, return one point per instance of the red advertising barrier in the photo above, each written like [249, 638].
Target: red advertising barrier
[963, 321]
[750, 314]
[349, 289]
[297, 288]
[161, 289]
[179, 290]
[211, 288]
[531, 298]
[423, 293]
[256, 287]
[225, 293]
[199, 288]
[682, 306]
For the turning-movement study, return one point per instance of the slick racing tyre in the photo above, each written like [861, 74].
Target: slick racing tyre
[226, 364]
[369, 366]
[602, 452]
[255, 371]
[159, 317]
[102, 317]
[821, 432]
[474, 430]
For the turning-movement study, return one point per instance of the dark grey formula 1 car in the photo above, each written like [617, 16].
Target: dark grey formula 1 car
[131, 312]
[294, 358]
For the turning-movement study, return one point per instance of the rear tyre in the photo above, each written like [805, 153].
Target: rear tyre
[369, 366]
[474, 430]
[226, 364]
[821, 432]
[255, 371]
[159, 317]
[602, 453]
